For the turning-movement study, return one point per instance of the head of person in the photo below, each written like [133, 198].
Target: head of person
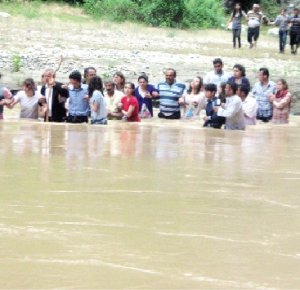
[296, 11]
[210, 91]
[281, 85]
[239, 71]
[283, 11]
[230, 89]
[195, 85]
[218, 65]
[109, 87]
[263, 75]
[95, 83]
[75, 79]
[48, 76]
[89, 73]
[119, 80]
[237, 8]
[170, 75]
[256, 7]
[243, 91]
[129, 89]
[143, 81]
[29, 86]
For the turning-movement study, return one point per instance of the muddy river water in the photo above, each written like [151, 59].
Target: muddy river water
[167, 205]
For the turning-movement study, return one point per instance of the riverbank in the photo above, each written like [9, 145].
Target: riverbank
[128, 47]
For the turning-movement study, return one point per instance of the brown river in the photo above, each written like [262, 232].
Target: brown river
[162, 205]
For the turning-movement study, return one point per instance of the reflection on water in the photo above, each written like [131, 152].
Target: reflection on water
[167, 205]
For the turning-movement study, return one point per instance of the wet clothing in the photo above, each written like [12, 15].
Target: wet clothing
[281, 107]
[169, 96]
[213, 120]
[261, 93]
[4, 94]
[55, 98]
[215, 78]
[29, 105]
[233, 112]
[98, 117]
[132, 101]
[242, 81]
[250, 110]
[78, 104]
[145, 101]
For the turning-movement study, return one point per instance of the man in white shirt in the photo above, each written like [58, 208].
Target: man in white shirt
[232, 110]
[249, 105]
[218, 75]
[112, 98]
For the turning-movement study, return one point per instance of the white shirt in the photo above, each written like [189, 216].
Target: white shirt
[49, 95]
[233, 112]
[29, 105]
[112, 102]
[214, 78]
[250, 110]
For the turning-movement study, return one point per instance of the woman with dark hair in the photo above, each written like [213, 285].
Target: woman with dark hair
[144, 94]
[193, 101]
[119, 81]
[129, 104]
[239, 75]
[29, 99]
[97, 104]
[281, 103]
[236, 20]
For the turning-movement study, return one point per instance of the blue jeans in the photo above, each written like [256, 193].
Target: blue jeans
[282, 39]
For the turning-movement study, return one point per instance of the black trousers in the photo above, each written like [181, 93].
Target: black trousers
[253, 34]
[77, 119]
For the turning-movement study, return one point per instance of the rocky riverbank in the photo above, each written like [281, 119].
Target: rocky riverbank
[30, 46]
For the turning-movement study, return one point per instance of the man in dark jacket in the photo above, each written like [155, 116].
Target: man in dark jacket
[55, 96]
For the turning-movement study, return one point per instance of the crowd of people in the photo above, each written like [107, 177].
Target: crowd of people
[225, 99]
[288, 25]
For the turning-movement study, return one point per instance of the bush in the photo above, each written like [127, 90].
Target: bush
[166, 13]
[202, 13]
[117, 10]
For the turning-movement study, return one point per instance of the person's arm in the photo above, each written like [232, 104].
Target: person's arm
[128, 114]
[244, 14]
[250, 109]
[95, 106]
[229, 20]
[229, 111]
[283, 102]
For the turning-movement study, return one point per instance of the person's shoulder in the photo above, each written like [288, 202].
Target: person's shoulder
[84, 86]
[133, 100]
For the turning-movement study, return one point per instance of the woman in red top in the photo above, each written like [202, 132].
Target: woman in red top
[129, 104]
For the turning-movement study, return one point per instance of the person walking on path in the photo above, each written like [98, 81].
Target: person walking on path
[236, 20]
[295, 31]
[282, 22]
[255, 18]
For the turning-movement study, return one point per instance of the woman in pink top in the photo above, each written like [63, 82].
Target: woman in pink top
[129, 104]
[281, 103]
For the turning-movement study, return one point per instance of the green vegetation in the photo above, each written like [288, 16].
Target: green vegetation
[163, 13]
[16, 63]
[192, 14]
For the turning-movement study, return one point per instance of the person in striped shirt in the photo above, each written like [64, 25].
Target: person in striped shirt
[255, 18]
[169, 93]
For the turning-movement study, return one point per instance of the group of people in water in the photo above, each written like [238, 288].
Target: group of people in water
[225, 99]
[288, 25]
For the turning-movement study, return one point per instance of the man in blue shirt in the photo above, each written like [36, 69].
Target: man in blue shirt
[169, 93]
[78, 99]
